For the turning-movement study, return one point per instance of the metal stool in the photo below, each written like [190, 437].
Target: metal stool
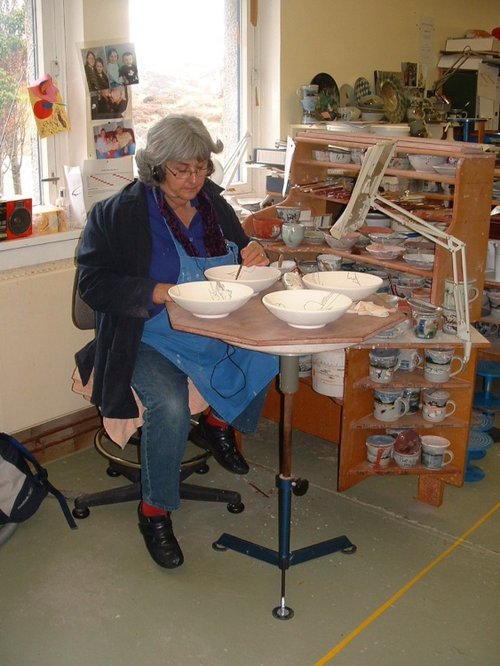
[126, 463]
[479, 442]
[486, 400]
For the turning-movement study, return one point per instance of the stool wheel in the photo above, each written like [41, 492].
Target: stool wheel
[300, 487]
[236, 508]
[79, 514]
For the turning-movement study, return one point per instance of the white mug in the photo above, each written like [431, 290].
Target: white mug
[437, 413]
[449, 294]
[409, 359]
[383, 364]
[435, 452]
[292, 234]
[438, 364]
[390, 405]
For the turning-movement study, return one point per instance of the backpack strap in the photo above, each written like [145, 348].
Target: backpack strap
[42, 476]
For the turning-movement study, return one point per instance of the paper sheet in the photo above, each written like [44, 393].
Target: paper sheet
[103, 178]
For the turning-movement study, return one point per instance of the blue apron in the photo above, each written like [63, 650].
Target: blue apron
[228, 377]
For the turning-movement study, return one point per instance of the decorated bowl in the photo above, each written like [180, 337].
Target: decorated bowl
[306, 308]
[210, 299]
[256, 277]
[354, 284]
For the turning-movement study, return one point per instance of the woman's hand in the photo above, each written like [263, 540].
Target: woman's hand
[254, 255]
[160, 293]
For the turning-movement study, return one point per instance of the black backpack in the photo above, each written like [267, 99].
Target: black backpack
[22, 489]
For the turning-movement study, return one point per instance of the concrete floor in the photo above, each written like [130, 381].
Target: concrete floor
[422, 588]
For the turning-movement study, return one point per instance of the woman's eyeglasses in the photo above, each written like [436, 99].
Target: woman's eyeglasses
[184, 174]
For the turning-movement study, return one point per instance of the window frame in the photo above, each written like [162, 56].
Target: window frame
[52, 58]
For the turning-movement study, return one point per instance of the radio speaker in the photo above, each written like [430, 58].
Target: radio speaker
[15, 218]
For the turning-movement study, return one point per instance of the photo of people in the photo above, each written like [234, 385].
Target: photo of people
[93, 73]
[109, 103]
[128, 70]
[114, 140]
[109, 66]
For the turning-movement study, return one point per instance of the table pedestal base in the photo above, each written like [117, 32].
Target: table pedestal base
[283, 557]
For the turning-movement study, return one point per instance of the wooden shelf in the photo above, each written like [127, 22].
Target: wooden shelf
[414, 421]
[470, 222]
[367, 469]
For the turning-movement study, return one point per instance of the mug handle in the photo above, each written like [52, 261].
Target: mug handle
[453, 406]
[405, 403]
[475, 292]
[450, 455]
[460, 367]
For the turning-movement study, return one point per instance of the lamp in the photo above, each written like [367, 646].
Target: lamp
[461, 60]
[365, 196]
[233, 161]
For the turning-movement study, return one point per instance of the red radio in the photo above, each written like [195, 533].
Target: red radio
[15, 218]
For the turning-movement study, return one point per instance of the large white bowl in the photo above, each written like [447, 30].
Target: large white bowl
[306, 308]
[210, 299]
[383, 251]
[344, 243]
[426, 162]
[256, 277]
[419, 260]
[391, 130]
[351, 283]
[286, 265]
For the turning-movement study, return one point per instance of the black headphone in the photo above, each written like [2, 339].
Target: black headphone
[158, 173]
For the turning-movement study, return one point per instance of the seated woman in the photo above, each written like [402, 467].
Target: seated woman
[167, 227]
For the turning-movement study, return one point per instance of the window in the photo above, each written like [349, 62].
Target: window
[30, 40]
[194, 59]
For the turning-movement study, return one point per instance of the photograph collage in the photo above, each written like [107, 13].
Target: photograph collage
[109, 70]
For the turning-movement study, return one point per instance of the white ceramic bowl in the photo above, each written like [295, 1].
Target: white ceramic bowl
[314, 236]
[388, 239]
[426, 162]
[383, 251]
[372, 116]
[256, 277]
[286, 265]
[445, 169]
[344, 243]
[418, 260]
[306, 308]
[210, 299]
[339, 157]
[351, 283]
[391, 129]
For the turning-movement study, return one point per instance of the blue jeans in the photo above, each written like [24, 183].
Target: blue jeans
[163, 390]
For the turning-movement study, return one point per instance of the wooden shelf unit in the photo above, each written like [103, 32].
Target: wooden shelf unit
[471, 204]
[471, 200]
[358, 422]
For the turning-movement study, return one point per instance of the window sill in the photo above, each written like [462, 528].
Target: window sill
[38, 249]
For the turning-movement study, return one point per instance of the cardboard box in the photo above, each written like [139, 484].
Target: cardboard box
[274, 156]
[473, 63]
[475, 43]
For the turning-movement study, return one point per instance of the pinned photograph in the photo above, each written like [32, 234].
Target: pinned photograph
[109, 66]
[114, 140]
[109, 103]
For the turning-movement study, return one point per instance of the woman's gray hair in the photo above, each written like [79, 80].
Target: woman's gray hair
[177, 137]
